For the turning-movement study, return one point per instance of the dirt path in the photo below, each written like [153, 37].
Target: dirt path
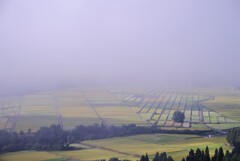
[154, 101]
[164, 108]
[131, 108]
[200, 113]
[94, 109]
[111, 150]
[217, 130]
[144, 106]
[174, 100]
[159, 104]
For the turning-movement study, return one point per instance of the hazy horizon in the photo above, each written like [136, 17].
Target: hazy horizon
[54, 44]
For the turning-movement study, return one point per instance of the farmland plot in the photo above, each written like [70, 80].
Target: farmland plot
[162, 105]
[73, 107]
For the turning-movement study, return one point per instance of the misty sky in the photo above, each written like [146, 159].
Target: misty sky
[47, 42]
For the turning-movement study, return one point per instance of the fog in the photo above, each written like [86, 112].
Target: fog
[54, 43]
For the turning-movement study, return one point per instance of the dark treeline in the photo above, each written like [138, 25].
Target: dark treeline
[219, 155]
[198, 155]
[56, 138]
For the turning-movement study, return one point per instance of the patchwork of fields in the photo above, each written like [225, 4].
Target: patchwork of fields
[157, 107]
[203, 108]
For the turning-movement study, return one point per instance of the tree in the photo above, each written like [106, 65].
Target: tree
[147, 158]
[198, 154]
[220, 154]
[178, 116]
[233, 137]
[157, 157]
[214, 158]
[143, 158]
[114, 159]
[207, 155]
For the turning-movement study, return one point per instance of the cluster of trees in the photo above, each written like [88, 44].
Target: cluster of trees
[197, 155]
[55, 138]
[158, 157]
[178, 116]
[218, 155]
[162, 157]
[204, 155]
[113, 159]
[233, 137]
[46, 138]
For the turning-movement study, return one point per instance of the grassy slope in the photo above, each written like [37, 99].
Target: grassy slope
[28, 155]
[176, 145]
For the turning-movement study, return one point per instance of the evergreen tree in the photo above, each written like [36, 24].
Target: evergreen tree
[147, 158]
[198, 154]
[191, 155]
[163, 156]
[227, 156]
[143, 158]
[114, 159]
[214, 158]
[207, 155]
[220, 154]
[188, 158]
[170, 158]
[157, 157]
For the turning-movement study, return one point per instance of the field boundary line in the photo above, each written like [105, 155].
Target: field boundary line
[156, 98]
[214, 129]
[159, 104]
[164, 108]
[17, 113]
[150, 95]
[56, 106]
[94, 109]
[169, 111]
[136, 113]
[109, 149]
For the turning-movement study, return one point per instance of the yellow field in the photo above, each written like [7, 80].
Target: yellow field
[226, 102]
[177, 146]
[72, 107]
[28, 155]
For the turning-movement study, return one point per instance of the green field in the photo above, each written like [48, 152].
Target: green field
[131, 148]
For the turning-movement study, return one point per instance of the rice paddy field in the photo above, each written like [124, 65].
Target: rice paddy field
[204, 108]
[130, 148]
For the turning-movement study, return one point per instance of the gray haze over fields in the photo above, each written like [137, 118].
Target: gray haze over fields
[55, 43]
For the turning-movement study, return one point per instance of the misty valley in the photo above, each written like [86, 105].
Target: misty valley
[119, 80]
